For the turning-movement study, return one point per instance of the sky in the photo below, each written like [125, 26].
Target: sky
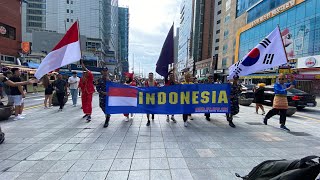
[149, 24]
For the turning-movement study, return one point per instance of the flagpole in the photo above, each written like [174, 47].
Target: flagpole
[283, 47]
[79, 37]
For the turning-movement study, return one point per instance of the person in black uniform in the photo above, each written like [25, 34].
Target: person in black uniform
[101, 89]
[210, 81]
[259, 97]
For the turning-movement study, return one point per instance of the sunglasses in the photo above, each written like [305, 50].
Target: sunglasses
[281, 78]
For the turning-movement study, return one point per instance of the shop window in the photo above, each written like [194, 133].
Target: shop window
[225, 49]
[67, 10]
[224, 62]
[67, 19]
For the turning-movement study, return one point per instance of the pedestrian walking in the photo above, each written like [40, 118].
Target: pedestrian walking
[129, 82]
[210, 81]
[187, 80]
[150, 82]
[35, 88]
[60, 86]
[87, 90]
[280, 101]
[74, 86]
[170, 82]
[48, 91]
[17, 94]
[6, 88]
[101, 89]
[234, 100]
[259, 97]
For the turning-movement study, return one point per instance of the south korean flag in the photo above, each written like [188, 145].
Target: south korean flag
[267, 54]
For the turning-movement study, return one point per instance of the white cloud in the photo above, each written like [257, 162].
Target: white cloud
[149, 23]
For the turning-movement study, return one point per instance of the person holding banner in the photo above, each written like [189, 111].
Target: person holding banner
[169, 82]
[87, 89]
[150, 82]
[234, 100]
[210, 81]
[130, 82]
[280, 101]
[187, 80]
[101, 89]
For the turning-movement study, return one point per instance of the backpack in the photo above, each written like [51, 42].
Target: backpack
[305, 168]
[1, 136]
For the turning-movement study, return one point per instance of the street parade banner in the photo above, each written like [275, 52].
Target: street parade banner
[176, 99]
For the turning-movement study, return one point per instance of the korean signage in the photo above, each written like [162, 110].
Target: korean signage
[309, 62]
[25, 46]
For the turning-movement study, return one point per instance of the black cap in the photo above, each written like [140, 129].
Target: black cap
[73, 72]
[105, 69]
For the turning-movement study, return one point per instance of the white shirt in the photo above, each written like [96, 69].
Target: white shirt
[74, 82]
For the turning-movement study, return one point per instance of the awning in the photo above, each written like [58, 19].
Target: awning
[260, 76]
[32, 65]
[22, 68]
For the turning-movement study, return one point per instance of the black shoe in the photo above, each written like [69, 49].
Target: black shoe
[148, 123]
[284, 128]
[88, 118]
[231, 124]
[84, 116]
[265, 121]
[208, 119]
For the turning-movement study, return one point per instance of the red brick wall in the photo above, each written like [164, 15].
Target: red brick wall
[207, 29]
[10, 14]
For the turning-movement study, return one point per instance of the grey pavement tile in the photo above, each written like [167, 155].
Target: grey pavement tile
[181, 174]
[74, 140]
[55, 156]
[38, 155]
[130, 146]
[101, 165]
[174, 153]
[90, 155]
[9, 175]
[50, 147]
[42, 166]
[117, 175]
[88, 140]
[197, 163]
[157, 145]
[6, 164]
[95, 176]
[108, 154]
[18, 147]
[97, 147]
[29, 176]
[140, 164]
[81, 166]
[177, 163]
[171, 145]
[22, 166]
[125, 153]
[144, 146]
[73, 176]
[121, 164]
[112, 146]
[73, 155]
[141, 153]
[82, 147]
[158, 153]
[189, 153]
[159, 163]
[62, 166]
[205, 153]
[7, 154]
[66, 147]
[139, 175]
[160, 175]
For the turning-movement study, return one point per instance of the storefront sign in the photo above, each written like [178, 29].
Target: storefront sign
[309, 62]
[306, 76]
[274, 12]
[25, 46]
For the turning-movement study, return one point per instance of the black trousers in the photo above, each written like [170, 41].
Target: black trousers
[152, 116]
[207, 115]
[185, 117]
[283, 115]
[60, 97]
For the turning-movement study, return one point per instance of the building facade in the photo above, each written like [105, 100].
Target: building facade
[10, 30]
[123, 39]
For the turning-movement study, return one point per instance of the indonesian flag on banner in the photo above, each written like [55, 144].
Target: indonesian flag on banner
[67, 51]
[123, 97]
[267, 54]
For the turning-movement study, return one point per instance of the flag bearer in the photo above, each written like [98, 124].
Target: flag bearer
[101, 88]
[171, 81]
[187, 80]
[210, 81]
[234, 100]
[150, 82]
[130, 82]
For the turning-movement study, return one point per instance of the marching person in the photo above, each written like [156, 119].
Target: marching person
[280, 101]
[87, 90]
[48, 85]
[187, 80]
[170, 82]
[101, 89]
[6, 87]
[74, 85]
[150, 82]
[259, 97]
[60, 86]
[210, 81]
[234, 100]
[130, 82]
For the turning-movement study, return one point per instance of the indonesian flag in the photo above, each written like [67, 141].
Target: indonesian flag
[122, 97]
[267, 54]
[67, 51]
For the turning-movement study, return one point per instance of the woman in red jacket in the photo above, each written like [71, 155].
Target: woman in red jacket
[87, 89]
[130, 82]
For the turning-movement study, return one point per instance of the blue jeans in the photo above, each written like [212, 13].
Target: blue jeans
[74, 95]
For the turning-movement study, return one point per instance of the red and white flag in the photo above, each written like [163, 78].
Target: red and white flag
[67, 51]
[122, 97]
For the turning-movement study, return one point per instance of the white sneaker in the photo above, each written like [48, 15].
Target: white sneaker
[16, 118]
[173, 119]
[74, 105]
[190, 117]
[126, 119]
[167, 118]
[186, 124]
[21, 116]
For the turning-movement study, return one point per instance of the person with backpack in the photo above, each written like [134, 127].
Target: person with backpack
[150, 82]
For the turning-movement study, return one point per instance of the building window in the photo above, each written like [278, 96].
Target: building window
[219, 2]
[67, 19]
[216, 48]
[224, 62]
[218, 22]
[71, 11]
[225, 49]
[71, 2]
[227, 18]
[226, 34]
[71, 20]
[67, 10]
[228, 5]
[67, 1]
[218, 31]
[219, 12]
[217, 40]
[7, 31]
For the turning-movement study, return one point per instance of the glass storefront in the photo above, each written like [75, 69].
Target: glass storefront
[300, 30]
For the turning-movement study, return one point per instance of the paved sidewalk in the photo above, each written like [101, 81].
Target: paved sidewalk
[60, 145]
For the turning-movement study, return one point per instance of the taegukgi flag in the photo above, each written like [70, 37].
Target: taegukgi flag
[267, 54]
[67, 51]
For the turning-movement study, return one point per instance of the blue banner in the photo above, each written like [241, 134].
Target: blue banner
[176, 99]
